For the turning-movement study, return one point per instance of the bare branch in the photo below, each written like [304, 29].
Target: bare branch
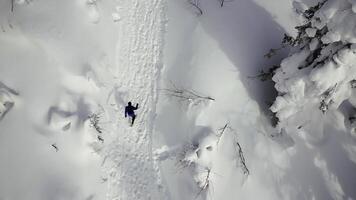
[239, 152]
[245, 170]
[272, 52]
[185, 94]
[100, 139]
[222, 3]
[222, 130]
[54, 145]
[195, 4]
[104, 160]
[327, 99]
[206, 183]
[266, 75]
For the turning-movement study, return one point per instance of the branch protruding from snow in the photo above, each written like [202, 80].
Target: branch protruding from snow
[206, 183]
[241, 157]
[54, 145]
[266, 75]
[222, 130]
[195, 4]
[244, 168]
[185, 94]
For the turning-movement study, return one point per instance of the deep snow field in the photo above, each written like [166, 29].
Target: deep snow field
[204, 127]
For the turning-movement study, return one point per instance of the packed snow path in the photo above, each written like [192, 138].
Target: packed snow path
[132, 173]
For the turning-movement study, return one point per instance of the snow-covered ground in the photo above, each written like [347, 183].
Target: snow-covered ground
[133, 173]
[46, 51]
[61, 63]
[203, 130]
[215, 54]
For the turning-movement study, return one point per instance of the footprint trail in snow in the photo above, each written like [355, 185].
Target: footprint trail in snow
[132, 172]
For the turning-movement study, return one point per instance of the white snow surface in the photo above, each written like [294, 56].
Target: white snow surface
[133, 173]
[69, 69]
[62, 61]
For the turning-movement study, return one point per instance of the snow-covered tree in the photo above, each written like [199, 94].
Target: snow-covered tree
[320, 75]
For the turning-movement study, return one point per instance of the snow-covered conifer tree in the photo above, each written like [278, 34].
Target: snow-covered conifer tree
[320, 73]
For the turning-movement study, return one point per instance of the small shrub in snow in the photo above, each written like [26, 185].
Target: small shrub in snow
[199, 156]
[101, 139]
[184, 161]
[94, 120]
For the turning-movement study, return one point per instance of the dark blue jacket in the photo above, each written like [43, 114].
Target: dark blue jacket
[129, 110]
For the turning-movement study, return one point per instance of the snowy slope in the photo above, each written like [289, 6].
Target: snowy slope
[64, 62]
[89, 59]
[214, 54]
[46, 49]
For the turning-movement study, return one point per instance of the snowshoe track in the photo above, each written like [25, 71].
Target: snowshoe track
[132, 172]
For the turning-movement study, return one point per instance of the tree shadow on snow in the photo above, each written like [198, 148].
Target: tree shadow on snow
[337, 160]
[245, 32]
[321, 170]
[82, 112]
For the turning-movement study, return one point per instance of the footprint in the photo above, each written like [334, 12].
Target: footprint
[93, 12]
[116, 15]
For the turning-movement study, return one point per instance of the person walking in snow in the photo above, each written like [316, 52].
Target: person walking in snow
[130, 111]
